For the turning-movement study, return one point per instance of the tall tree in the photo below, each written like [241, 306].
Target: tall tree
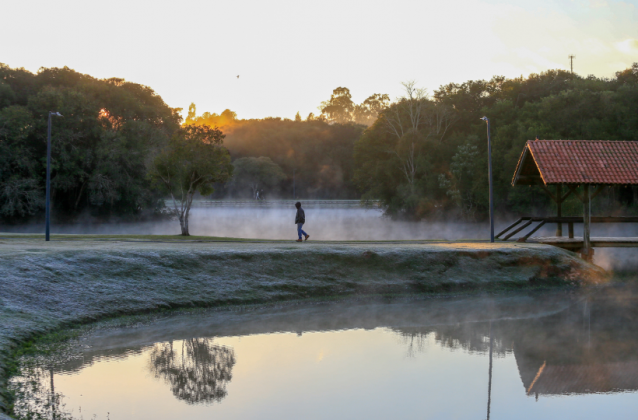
[367, 112]
[193, 161]
[339, 108]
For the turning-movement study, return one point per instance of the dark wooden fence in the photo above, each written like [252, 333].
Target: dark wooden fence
[527, 221]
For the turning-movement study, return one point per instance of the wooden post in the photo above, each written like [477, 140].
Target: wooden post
[571, 229]
[586, 223]
[559, 213]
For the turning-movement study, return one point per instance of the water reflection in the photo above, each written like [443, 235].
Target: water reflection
[196, 369]
[589, 347]
[478, 357]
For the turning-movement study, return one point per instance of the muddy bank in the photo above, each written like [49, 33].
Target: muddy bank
[44, 286]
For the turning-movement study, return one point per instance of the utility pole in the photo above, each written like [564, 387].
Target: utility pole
[571, 62]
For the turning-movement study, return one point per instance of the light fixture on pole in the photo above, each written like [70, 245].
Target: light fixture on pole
[489, 168]
[48, 198]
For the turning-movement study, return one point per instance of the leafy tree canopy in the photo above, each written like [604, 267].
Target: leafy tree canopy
[193, 161]
[341, 109]
[100, 148]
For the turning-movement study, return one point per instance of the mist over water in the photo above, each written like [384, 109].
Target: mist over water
[335, 221]
[326, 224]
[261, 222]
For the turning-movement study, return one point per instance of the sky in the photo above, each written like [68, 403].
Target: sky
[290, 54]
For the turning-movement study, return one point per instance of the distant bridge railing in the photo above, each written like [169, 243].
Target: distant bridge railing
[371, 204]
[526, 221]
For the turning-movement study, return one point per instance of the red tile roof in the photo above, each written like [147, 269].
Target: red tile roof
[578, 162]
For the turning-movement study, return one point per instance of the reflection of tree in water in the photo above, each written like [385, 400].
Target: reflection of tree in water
[414, 341]
[470, 337]
[197, 371]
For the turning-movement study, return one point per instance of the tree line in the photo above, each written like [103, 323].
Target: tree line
[101, 147]
[312, 158]
[425, 155]
[120, 151]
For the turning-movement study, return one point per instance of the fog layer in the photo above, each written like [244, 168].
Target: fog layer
[332, 224]
[336, 224]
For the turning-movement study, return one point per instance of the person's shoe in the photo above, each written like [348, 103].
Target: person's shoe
[299, 240]
[307, 236]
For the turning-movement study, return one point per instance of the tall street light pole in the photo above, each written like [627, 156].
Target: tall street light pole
[489, 383]
[489, 166]
[48, 199]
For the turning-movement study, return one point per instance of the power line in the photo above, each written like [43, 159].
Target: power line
[571, 62]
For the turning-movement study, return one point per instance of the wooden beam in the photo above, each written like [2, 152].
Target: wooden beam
[559, 209]
[538, 226]
[529, 222]
[563, 198]
[529, 178]
[599, 189]
[594, 219]
[558, 198]
[573, 189]
[510, 226]
[586, 223]
[552, 196]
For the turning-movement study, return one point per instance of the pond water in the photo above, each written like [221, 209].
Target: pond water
[524, 356]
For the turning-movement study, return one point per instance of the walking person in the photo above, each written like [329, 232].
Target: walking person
[300, 219]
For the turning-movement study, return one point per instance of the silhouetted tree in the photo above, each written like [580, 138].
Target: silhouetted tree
[194, 160]
[339, 108]
[367, 112]
[197, 370]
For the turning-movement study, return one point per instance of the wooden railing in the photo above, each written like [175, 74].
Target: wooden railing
[526, 221]
[284, 203]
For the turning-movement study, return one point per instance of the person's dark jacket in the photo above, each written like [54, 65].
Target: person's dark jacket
[301, 216]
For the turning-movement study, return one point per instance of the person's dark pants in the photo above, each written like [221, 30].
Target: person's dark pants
[300, 230]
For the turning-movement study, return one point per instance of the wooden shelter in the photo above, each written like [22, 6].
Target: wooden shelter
[560, 167]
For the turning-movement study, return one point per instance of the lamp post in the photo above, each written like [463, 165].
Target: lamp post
[489, 383]
[489, 166]
[48, 198]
